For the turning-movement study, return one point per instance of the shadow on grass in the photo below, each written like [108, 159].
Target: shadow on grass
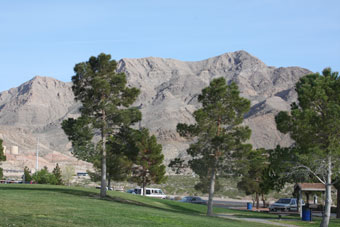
[70, 191]
[288, 218]
[172, 207]
[261, 215]
[293, 219]
[79, 192]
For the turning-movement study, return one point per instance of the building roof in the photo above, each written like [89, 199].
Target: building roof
[319, 187]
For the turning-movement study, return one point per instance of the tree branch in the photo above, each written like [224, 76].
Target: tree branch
[312, 172]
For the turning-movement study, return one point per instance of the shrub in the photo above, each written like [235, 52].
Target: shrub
[44, 177]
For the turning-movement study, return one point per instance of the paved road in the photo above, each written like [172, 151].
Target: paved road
[230, 204]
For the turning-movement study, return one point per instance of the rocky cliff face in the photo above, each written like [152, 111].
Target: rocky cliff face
[169, 90]
[35, 109]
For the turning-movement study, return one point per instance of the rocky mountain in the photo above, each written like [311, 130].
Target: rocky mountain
[34, 110]
[169, 90]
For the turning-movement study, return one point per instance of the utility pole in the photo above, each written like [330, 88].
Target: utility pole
[37, 165]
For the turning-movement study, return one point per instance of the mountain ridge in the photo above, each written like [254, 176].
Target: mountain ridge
[169, 90]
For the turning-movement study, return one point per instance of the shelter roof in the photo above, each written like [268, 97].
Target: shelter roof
[310, 187]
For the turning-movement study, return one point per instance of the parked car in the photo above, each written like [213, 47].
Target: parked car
[285, 204]
[130, 190]
[107, 189]
[193, 199]
[150, 192]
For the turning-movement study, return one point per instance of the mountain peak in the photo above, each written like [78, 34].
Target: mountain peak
[169, 90]
[37, 77]
[39, 101]
[43, 83]
[44, 79]
[239, 57]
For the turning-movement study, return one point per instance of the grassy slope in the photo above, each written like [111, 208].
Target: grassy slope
[44, 205]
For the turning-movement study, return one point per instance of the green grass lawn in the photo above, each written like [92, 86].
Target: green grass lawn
[44, 205]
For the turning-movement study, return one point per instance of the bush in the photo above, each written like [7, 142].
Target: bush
[44, 177]
[67, 174]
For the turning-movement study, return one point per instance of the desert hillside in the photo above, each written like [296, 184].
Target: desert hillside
[169, 90]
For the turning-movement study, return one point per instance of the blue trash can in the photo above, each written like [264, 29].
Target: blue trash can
[249, 206]
[306, 214]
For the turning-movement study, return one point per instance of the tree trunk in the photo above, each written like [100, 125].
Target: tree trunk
[144, 187]
[328, 200]
[213, 176]
[338, 201]
[257, 200]
[263, 201]
[103, 172]
[300, 203]
[211, 192]
[307, 199]
[108, 182]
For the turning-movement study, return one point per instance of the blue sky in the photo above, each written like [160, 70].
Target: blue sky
[48, 38]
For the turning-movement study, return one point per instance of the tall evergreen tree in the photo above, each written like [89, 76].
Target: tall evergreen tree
[57, 173]
[314, 124]
[105, 100]
[121, 151]
[2, 158]
[148, 167]
[218, 135]
[27, 174]
[255, 180]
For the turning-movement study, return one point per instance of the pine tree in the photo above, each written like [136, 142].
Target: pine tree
[148, 163]
[105, 100]
[253, 169]
[122, 151]
[57, 173]
[217, 135]
[2, 158]
[314, 124]
[27, 174]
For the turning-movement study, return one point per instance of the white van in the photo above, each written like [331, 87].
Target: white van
[151, 192]
[285, 204]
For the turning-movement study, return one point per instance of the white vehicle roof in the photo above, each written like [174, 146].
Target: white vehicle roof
[150, 188]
